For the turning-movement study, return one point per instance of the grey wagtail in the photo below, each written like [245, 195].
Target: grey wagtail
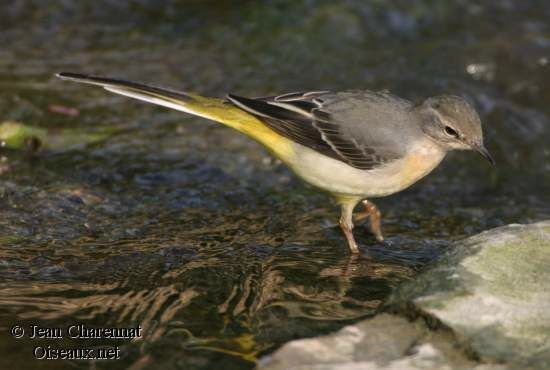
[352, 144]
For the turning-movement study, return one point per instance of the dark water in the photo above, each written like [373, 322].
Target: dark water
[131, 214]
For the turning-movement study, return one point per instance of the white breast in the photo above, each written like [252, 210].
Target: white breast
[339, 178]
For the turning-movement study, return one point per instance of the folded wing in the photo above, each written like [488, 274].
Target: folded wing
[346, 126]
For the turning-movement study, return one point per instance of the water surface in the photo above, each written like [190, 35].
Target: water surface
[132, 214]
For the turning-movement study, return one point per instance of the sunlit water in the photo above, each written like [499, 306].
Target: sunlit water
[192, 231]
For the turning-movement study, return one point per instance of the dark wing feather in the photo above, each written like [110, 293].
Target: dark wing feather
[354, 154]
[285, 122]
[306, 119]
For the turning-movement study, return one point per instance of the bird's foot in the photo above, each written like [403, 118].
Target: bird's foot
[373, 213]
[352, 244]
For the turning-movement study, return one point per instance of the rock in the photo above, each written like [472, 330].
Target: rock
[486, 302]
[493, 291]
[376, 339]
[384, 342]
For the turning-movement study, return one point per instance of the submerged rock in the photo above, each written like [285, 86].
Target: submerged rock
[17, 135]
[487, 303]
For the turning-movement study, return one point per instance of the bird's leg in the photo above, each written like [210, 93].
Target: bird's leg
[346, 224]
[373, 213]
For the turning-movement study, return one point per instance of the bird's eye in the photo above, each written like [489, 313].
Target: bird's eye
[451, 131]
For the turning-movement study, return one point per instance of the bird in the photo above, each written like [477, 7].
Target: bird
[355, 145]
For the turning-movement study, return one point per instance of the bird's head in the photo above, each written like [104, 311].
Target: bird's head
[453, 123]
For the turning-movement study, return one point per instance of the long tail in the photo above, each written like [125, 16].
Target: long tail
[215, 109]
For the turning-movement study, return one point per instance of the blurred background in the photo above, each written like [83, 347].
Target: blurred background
[118, 213]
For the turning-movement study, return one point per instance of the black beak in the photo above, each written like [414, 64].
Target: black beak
[484, 153]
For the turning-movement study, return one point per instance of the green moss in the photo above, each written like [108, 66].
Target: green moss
[17, 135]
[514, 268]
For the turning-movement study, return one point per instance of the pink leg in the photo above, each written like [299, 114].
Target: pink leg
[346, 224]
[373, 213]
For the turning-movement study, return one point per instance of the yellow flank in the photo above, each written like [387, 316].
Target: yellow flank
[216, 110]
[344, 199]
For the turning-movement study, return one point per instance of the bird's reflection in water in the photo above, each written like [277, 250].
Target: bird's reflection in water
[232, 302]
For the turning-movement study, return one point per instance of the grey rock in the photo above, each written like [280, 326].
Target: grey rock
[493, 291]
[383, 338]
[487, 302]
[385, 342]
